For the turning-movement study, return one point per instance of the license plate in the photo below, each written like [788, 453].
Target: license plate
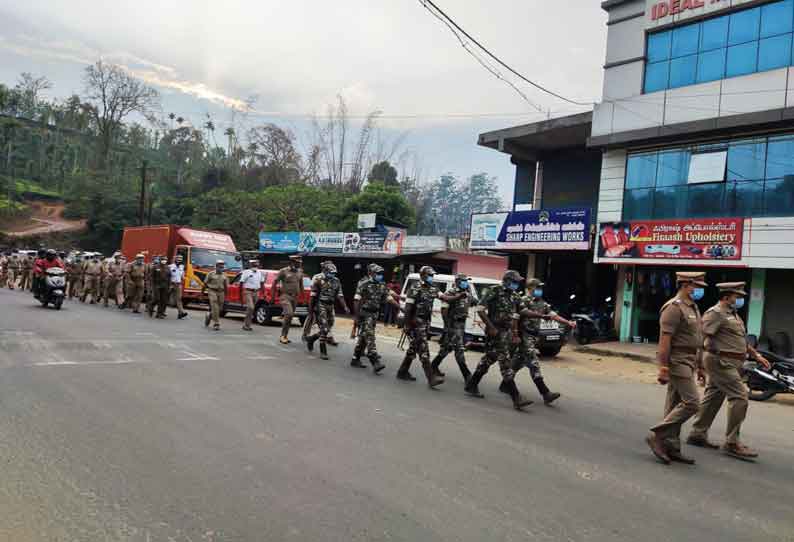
[548, 324]
[301, 310]
[552, 338]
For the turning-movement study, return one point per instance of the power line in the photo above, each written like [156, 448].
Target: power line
[496, 58]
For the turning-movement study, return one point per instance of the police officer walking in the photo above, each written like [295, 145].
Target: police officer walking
[725, 350]
[26, 279]
[14, 266]
[136, 277]
[114, 280]
[455, 314]
[326, 291]
[679, 359]
[498, 310]
[177, 270]
[161, 284]
[371, 294]
[289, 283]
[251, 280]
[215, 284]
[73, 275]
[93, 269]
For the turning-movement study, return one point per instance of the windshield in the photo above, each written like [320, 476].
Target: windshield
[202, 257]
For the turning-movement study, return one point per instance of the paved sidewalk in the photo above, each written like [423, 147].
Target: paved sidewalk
[638, 352]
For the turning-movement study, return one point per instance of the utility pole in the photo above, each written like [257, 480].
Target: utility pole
[142, 203]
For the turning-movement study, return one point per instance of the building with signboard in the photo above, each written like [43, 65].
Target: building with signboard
[698, 165]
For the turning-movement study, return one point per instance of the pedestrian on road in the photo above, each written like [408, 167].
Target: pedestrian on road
[455, 313]
[498, 309]
[251, 280]
[215, 285]
[326, 291]
[371, 294]
[532, 309]
[177, 284]
[680, 359]
[93, 269]
[136, 282]
[725, 351]
[161, 285]
[289, 283]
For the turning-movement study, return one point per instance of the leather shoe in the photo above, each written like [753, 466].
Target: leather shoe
[740, 451]
[657, 447]
[702, 442]
[676, 455]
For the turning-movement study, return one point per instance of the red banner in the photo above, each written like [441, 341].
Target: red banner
[687, 239]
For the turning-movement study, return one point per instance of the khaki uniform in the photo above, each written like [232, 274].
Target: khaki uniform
[114, 283]
[680, 318]
[136, 275]
[93, 272]
[26, 273]
[216, 284]
[725, 351]
[3, 270]
[74, 279]
[161, 284]
[14, 266]
[292, 284]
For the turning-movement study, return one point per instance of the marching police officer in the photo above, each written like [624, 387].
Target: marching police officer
[251, 280]
[26, 270]
[14, 265]
[371, 294]
[93, 269]
[215, 284]
[725, 350]
[161, 284]
[326, 291]
[498, 310]
[289, 282]
[679, 358]
[177, 270]
[455, 313]
[114, 283]
[135, 273]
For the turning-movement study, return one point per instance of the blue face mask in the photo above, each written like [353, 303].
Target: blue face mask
[513, 286]
[429, 279]
[464, 285]
[739, 303]
[378, 278]
[698, 293]
[329, 275]
[537, 292]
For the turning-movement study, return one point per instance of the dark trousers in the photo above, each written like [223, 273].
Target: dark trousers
[161, 299]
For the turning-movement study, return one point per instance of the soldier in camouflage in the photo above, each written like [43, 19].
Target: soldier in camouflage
[371, 294]
[498, 310]
[418, 313]
[455, 314]
[531, 310]
[326, 290]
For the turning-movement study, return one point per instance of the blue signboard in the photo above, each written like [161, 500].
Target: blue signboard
[281, 242]
[545, 229]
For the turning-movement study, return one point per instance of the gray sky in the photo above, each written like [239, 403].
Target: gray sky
[297, 55]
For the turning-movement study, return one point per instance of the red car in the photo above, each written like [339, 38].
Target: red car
[267, 305]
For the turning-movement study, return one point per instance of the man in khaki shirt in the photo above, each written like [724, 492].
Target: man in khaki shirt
[93, 270]
[289, 282]
[725, 350]
[679, 359]
[215, 284]
[114, 284]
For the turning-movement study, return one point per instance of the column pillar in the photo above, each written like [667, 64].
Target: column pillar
[627, 314]
[755, 312]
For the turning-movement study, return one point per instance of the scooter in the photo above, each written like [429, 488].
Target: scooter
[595, 325]
[52, 289]
[766, 383]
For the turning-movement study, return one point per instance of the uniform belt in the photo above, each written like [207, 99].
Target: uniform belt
[247, 289]
[731, 355]
[687, 349]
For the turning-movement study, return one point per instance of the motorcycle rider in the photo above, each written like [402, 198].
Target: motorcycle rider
[49, 261]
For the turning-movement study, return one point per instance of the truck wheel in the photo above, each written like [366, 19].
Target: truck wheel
[262, 315]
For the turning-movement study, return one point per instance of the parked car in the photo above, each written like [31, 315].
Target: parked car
[267, 305]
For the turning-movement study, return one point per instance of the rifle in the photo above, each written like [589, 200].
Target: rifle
[309, 323]
[403, 338]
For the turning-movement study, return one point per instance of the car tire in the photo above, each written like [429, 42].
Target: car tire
[262, 315]
[549, 352]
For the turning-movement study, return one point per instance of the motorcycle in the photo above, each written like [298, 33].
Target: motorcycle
[596, 324]
[763, 384]
[52, 289]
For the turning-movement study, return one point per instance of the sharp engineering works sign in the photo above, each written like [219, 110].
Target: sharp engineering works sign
[546, 229]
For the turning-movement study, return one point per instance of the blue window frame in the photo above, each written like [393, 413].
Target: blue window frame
[759, 181]
[743, 42]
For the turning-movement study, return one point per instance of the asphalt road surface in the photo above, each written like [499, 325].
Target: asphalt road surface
[117, 427]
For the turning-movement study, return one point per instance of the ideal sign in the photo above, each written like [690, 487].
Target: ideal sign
[660, 10]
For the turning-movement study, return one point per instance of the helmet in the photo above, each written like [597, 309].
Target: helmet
[50, 254]
[512, 276]
[41, 253]
[534, 283]
[427, 270]
[375, 269]
[461, 277]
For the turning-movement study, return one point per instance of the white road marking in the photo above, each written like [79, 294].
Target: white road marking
[72, 363]
[260, 357]
[193, 356]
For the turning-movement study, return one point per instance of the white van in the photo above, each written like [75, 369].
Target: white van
[475, 330]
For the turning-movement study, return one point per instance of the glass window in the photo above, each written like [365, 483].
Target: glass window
[774, 52]
[779, 197]
[683, 71]
[742, 59]
[638, 204]
[670, 202]
[659, 46]
[746, 160]
[641, 171]
[711, 66]
[745, 198]
[714, 34]
[656, 76]
[673, 168]
[685, 40]
[777, 18]
[706, 200]
[780, 157]
[744, 26]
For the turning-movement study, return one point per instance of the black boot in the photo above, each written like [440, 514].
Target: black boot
[403, 373]
[377, 365]
[435, 366]
[323, 350]
[510, 388]
[548, 396]
[433, 379]
[473, 382]
[464, 369]
[356, 362]
[310, 340]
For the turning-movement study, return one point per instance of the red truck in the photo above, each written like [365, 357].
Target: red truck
[267, 305]
[200, 249]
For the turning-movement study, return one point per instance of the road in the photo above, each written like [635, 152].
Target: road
[117, 427]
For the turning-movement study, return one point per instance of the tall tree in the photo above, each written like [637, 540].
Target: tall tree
[273, 149]
[384, 172]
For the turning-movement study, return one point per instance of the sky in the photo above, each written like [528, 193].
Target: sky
[296, 56]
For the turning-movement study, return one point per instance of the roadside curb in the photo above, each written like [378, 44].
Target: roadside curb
[590, 349]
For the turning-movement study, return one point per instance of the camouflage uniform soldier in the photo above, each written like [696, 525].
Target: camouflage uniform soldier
[135, 274]
[498, 310]
[532, 309]
[371, 294]
[455, 314]
[93, 269]
[326, 290]
[418, 312]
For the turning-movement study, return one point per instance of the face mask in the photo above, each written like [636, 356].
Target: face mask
[464, 285]
[537, 292]
[378, 278]
[698, 293]
[739, 303]
[329, 275]
[513, 286]
[429, 279]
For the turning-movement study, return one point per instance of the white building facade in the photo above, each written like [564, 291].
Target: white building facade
[697, 127]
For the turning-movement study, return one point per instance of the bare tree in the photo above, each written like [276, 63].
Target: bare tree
[114, 94]
[30, 88]
[274, 150]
